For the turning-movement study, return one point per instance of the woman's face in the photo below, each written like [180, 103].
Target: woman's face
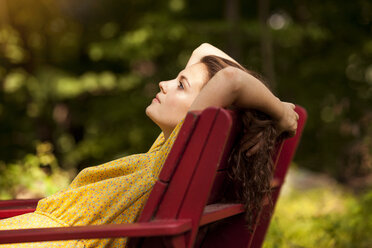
[171, 104]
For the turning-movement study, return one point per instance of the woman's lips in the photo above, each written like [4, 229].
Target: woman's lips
[157, 98]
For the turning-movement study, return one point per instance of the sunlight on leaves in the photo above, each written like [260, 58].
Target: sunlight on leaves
[68, 87]
[41, 175]
[14, 81]
[176, 5]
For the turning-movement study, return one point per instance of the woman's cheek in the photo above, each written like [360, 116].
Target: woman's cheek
[180, 104]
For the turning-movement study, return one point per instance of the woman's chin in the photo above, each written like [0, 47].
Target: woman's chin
[148, 111]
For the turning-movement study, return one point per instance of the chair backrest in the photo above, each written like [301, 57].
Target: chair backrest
[194, 173]
[192, 177]
[188, 174]
[233, 232]
[284, 158]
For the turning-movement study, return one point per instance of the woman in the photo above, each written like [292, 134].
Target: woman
[115, 192]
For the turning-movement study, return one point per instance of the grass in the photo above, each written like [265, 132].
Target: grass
[321, 217]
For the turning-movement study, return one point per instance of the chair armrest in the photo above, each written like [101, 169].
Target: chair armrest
[154, 228]
[14, 212]
[11, 208]
[216, 212]
[6, 204]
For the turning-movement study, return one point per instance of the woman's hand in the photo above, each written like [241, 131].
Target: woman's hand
[287, 123]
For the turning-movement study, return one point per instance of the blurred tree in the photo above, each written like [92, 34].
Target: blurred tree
[232, 15]
[266, 43]
[79, 74]
[323, 61]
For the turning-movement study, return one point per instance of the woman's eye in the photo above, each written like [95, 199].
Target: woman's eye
[180, 85]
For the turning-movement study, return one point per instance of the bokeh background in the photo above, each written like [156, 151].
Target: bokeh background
[76, 76]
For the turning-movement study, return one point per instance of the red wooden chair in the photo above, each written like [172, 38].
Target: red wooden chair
[184, 201]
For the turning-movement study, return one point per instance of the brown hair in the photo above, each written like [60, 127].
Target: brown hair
[250, 174]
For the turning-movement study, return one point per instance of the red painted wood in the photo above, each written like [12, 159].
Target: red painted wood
[153, 201]
[197, 149]
[218, 187]
[230, 232]
[155, 228]
[18, 203]
[291, 144]
[171, 164]
[14, 212]
[202, 182]
[285, 157]
[215, 212]
[175, 242]
[179, 146]
[231, 116]
[153, 242]
[180, 182]
[264, 222]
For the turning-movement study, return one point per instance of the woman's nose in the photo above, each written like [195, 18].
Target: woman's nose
[162, 86]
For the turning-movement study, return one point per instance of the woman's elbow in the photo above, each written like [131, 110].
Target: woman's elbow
[232, 76]
[202, 48]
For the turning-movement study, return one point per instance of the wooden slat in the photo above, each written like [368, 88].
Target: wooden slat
[215, 212]
[155, 228]
[230, 234]
[181, 179]
[202, 180]
[234, 131]
[18, 202]
[286, 154]
[218, 186]
[179, 146]
[170, 165]
[153, 201]
[14, 212]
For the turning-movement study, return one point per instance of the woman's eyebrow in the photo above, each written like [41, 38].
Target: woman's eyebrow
[187, 81]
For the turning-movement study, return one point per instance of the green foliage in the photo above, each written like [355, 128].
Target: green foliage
[79, 74]
[76, 76]
[323, 63]
[322, 217]
[37, 175]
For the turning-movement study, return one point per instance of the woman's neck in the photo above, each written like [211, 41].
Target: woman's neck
[166, 133]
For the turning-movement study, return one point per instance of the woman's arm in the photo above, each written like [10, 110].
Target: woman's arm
[206, 49]
[232, 86]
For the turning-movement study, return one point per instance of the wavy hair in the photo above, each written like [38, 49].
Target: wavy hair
[250, 174]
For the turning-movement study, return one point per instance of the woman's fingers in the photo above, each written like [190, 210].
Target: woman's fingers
[293, 128]
[288, 122]
[290, 104]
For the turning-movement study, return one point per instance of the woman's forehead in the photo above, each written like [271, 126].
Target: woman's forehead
[195, 74]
